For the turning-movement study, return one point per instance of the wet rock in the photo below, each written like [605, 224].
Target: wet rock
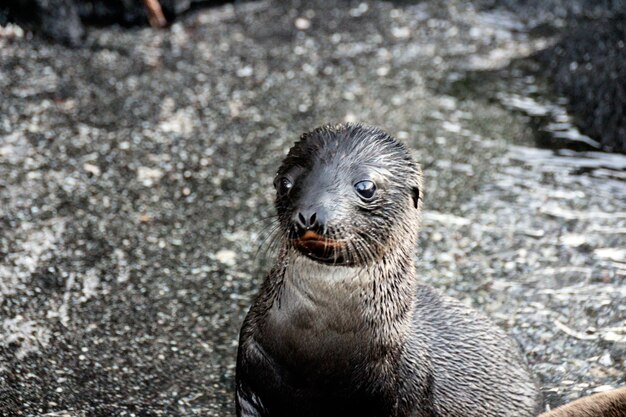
[550, 13]
[63, 20]
[588, 67]
[56, 19]
[126, 12]
[583, 65]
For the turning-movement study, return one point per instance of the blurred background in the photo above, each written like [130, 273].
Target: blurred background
[139, 140]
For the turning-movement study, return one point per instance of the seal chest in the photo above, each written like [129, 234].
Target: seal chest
[340, 326]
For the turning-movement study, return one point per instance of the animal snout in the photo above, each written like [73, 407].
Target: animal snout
[310, 219]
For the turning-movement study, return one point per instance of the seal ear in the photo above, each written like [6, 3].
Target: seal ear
[415, 195]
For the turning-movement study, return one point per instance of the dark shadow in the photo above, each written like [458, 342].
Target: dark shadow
[584, 74]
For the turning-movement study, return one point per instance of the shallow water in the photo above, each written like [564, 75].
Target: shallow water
[136, 180]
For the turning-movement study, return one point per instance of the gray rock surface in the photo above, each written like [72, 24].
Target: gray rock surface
[136, 189]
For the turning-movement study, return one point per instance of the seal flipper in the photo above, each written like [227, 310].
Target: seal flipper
[415, 194]
[604, 404]
[248, 404]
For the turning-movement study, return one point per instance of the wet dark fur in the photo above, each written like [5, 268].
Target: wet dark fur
[358, 336]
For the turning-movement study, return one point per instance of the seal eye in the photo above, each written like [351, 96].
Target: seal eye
[366, 189]
[283, 185]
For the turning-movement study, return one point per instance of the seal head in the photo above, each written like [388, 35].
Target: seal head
[338, 195]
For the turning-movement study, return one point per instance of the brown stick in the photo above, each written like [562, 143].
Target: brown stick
[155, 13]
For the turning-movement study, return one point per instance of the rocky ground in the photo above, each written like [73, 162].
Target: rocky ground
[136, 183]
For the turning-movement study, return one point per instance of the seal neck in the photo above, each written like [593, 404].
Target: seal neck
[378, 297]
[311, 313]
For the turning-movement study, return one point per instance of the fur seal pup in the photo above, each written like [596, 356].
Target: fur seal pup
[341, 326]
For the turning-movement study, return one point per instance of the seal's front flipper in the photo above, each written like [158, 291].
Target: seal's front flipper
[248, 404]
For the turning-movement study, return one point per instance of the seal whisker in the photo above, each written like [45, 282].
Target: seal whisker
[364, 245]
[270, 241]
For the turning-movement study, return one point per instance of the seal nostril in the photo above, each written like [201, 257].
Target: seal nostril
[306, 219]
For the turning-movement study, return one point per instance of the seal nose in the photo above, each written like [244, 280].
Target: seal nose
[307, 220]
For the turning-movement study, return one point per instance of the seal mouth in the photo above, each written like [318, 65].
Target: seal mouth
[319, 247]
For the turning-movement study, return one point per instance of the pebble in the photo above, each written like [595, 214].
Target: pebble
[92, 169]
[148, 176]
[302, 23]
[226, 256]
[605, 359]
